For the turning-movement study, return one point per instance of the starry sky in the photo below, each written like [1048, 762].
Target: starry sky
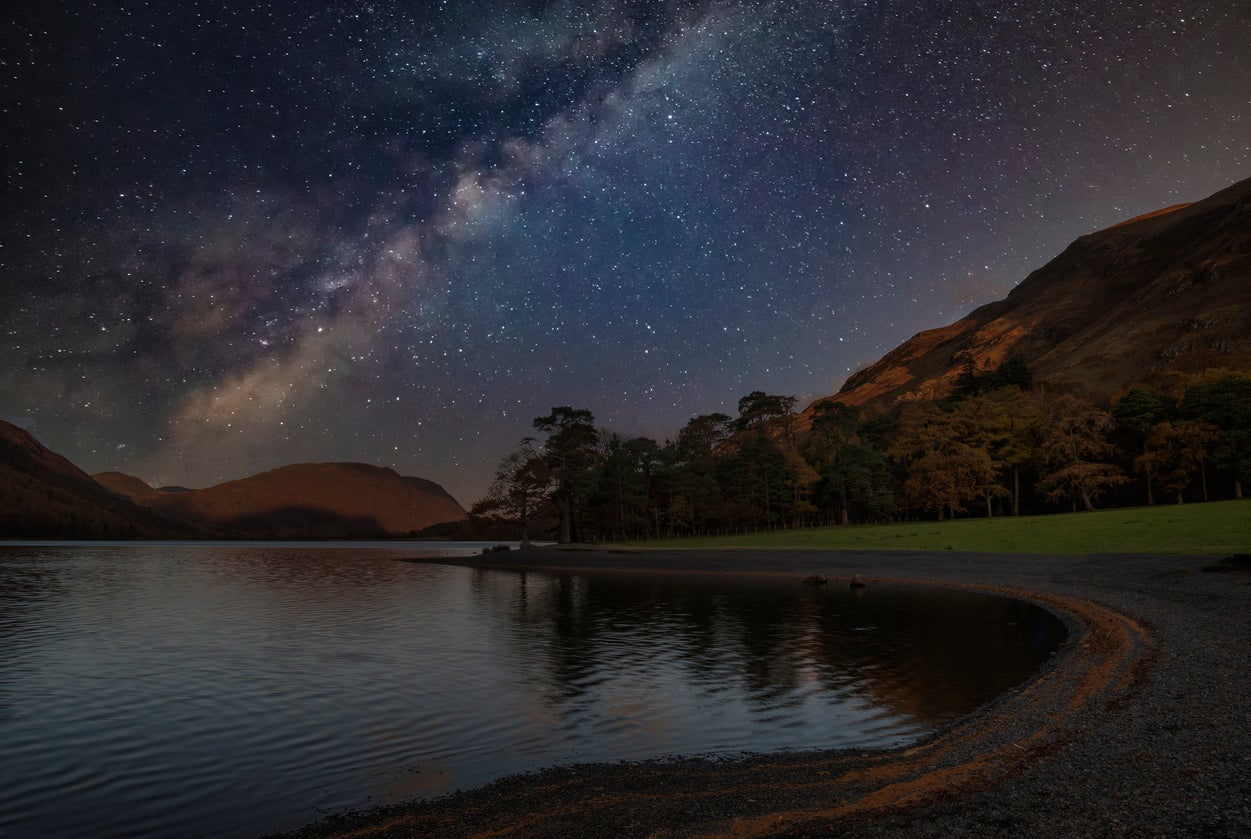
[234, 236]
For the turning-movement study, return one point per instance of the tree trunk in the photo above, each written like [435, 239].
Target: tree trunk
[990, 513]
[1090, 505]
[1203, 477]
[564, 506]
[1237, 487]
[1150, 497]
[1016, 491]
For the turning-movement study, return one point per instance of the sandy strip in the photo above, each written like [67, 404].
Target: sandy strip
[1096, 744]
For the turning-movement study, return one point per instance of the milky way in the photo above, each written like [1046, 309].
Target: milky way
[241, 235]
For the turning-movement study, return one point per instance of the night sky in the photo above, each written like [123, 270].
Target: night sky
[241, 235]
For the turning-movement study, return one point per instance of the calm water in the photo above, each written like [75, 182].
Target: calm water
[230, 691]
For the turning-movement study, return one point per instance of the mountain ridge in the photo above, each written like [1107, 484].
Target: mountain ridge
[43, 495]
[326, 500]
[1114, 307]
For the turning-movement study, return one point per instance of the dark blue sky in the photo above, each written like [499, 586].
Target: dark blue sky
[241, 235]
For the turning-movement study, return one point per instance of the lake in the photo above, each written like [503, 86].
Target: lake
[232, 690]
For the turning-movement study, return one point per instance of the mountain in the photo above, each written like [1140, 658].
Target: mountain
[127, 486]
[1168, 289]
[44, 496]
[304, 500]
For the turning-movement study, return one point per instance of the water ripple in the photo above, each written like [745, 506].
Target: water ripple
[230, 691]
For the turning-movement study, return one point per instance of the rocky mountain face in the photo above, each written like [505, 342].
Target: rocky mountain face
[44, 496]
[304, 500]
[1169, 289]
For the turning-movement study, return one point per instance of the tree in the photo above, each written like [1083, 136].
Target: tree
[1076, 451]
[857, 476]
[570, 452]
[757, 478]
[1176, 451]
[757, 408]
[833, 426]
[1006, 424]
[693, 496]
[1226, 404]
[520, 488]
[944, 470]
[1012, 373]
[624, 486]
[1136, 414]
[968, 382]
[702, 434]
[800, 481]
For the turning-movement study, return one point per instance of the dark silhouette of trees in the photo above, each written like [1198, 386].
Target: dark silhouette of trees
[992, 442]
[626, 474]
[570, 452]
[521, 487]
[859, 477]
[853, 472]
[1226, 404]
[1176, 451]
[758, 408]
[1136, 414]
[1013, 372]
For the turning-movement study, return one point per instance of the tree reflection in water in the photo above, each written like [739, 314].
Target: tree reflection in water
[748, 662]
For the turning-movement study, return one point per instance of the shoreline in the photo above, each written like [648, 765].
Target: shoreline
[1141, 725]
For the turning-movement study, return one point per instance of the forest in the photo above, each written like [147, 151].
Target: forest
[999, 444]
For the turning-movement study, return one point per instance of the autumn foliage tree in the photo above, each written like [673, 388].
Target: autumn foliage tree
[1175, 452]
[989, 442]
[945, 470]
[1077, 452]
[1007, 425]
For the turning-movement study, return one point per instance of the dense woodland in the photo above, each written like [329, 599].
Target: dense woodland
[1000, 444]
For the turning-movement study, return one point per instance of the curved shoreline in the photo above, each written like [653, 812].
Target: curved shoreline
[1064, 754]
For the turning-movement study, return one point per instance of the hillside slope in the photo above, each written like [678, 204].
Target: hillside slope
[1160, 289]
[305, 500]
[44, 496]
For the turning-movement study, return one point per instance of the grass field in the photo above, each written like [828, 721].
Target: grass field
[1216, 528]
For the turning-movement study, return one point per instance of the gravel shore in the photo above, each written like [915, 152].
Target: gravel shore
[1140, 727]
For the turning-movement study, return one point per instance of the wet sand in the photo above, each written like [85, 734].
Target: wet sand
[1140, 726]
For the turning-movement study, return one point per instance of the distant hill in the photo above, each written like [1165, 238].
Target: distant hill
[44, 496]
[127, 486]
[1166, 289]
[304, 500]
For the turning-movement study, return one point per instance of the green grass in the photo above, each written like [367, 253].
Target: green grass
[1216, 528]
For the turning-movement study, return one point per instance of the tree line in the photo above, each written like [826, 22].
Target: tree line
[995, 446]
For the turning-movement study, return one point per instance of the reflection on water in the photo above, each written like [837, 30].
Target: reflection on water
[231, 691]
